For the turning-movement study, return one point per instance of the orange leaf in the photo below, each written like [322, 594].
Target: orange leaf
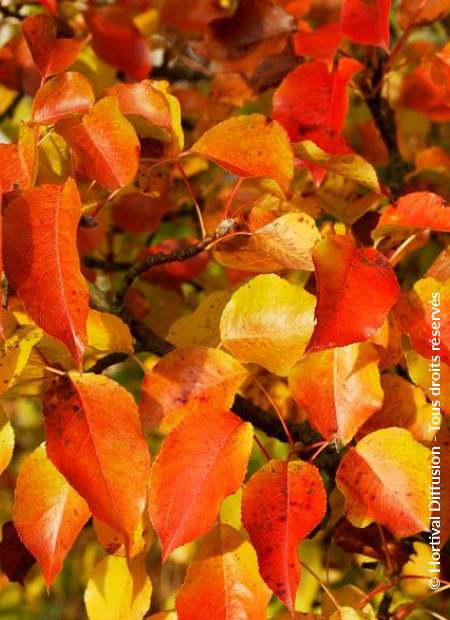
[18, 161]
[413, 12]
[146, 107]
[321, 44]
[225, 578]
[339, 389]
[51, 55]
[42, 263]
[249, 146]
[202, 461]
[356, 289]
[281, 504]
[187, 379]
[385, 478]
[95, 439]
[420, 210]
[66, 94]
[117, 40]
[48, 513]
[366, 21]
[105, 144]
[424, 314]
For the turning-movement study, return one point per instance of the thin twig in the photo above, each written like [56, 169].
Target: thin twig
[194, 199]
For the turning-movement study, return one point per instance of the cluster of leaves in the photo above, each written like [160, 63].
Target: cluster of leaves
[231, 212]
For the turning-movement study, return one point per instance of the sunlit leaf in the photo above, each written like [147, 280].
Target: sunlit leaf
[89, 421]
[107, 333]
[389, 486]
[64, 95]
[268, 321]
[48, 513]
[419, 370]
[281, 504]
[366, 21]
[15, 352]
[6, 441]
[202, 461]
[18, 161]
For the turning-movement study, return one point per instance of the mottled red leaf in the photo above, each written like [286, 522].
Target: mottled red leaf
[356, 289]
[94, 438]
[366, 21]
[281, 504]
[47, 513]
[52, 55]
[117, 40]
[64, 95]
[105, 143]
[42, 263]
[202, 461]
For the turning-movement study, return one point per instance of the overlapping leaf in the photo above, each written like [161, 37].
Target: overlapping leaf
[202, 461]
[48, 513]
[356, 289]
[18, 161]
[89, 421]
[281, 504]
[42, 264]
[387, 486]
[64, 95]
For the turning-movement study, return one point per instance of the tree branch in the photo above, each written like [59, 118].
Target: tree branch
[140, 266]
[384, 118]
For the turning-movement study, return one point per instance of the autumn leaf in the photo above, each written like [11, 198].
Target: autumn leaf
[419, 210]
[224, 576]
[118, 589]
[416, 312]
[268, 321]
[146, 108]
[47, 277]
[47, 513]
[188, 379]
[15, 559]
[117, 40]
[414, 12]
[18, 161]
[319, 44]
[339, 389]
[84, 440]
[281, 504]
[356, 289]
[15, 352]
[249, 146]
[387, 486]
[419, 371]
[202, 461]
[51, 54]
[64, 95]
[366, 22]
[105, 143]
[7, 441]
[350, 166]
[289, 239]
[107, 333]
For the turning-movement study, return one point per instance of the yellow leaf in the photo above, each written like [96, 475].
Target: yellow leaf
[268, 321]
[385, 478]
[113, 541]
[15, 352]
[419, 371]
[54, 160]
[290, 239]
[6, 441]
[347, 596]
[175, 112]
[352, 167]
[118, 590]
[107, 333]
[201, 327]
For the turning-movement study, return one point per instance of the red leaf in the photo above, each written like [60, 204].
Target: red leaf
[356, 289]
[320, 44]
[51, 5]
[51, 55]
[47, 513]
[66, 94]
[42, 263]
[202, 461]
[281, 504]
[95, 439]
[105, 143]
[366, 21]
[311, 98]
[417, 210]
[137, 213]
[118, 41]
[18, 161]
